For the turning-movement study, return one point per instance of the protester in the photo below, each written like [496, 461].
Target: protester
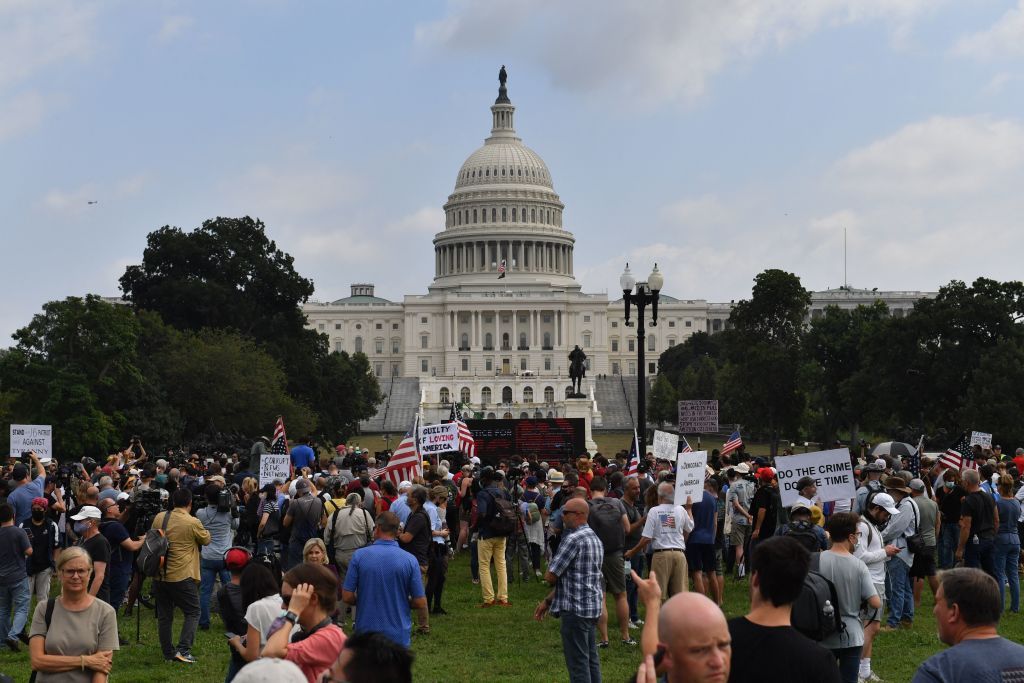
[231, 605]
[303, 520]
[872, 475]
[417, 533]
[700, 546]
[221, 525]
[950, 496]
[635, 513]
[383, 582]
[437, 560]
[1007, 547]
[967, 613]
[575, 573]
[923, 568]
[176, 586]
[741, 493]
[854, 587]
[45, 538]
[491, 543]
[269, 526]
[534, 513]
[271, 671]
[122, 551]
[765, 646]
[261, 605]
[87, 527]
[20, 499]
[348, 529]
[14, 589]
[665, 530]
[873, 553]
[978, 524]
[372, 658]
[897, 567]
[609, 520]
[401, 506]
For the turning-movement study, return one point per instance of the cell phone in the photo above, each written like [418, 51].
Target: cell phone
[229, 635]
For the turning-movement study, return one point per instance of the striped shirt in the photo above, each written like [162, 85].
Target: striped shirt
[578, 568]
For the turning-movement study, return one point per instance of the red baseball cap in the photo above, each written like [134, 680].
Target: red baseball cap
[766, 473]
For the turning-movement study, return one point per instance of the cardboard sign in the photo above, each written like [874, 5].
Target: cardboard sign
[982, 439]
[698, 417]
[274, 467]
[831, 470]
[666, 444]
[690, 476]
[38, 438]
[440, 438]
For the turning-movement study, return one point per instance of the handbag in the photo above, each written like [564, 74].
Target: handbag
[915, 542]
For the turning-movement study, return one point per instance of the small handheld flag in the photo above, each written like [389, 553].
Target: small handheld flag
[734, 442]
[501, 269]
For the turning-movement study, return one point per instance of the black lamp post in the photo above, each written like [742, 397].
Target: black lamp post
[646, 293]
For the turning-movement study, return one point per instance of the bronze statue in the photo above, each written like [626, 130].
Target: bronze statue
[577, 370]
[502, 76]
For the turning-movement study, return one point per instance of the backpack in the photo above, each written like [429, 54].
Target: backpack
[502, 521]
[816, 611]
[153, 554]
[803, 533]
[531, 511]
[270, 561]
[225, 501]
[915, 542]
[606, 521]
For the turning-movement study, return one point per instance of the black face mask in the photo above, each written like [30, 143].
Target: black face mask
[38, 515]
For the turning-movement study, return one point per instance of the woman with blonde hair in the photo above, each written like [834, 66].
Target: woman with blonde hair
[315, 551]
[73, 635]
[1008, 543]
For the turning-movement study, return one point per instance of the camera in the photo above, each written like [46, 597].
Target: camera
[26, 457]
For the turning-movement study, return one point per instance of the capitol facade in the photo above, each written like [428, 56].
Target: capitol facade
[500, 345]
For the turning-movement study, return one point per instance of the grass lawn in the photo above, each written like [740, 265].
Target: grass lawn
[496, 645]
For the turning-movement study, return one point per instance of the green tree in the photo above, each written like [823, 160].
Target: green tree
[699, 380]
[674, 361]
[995, 400]
[662, 402]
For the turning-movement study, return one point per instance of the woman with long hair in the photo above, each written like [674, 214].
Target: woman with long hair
[269, 525]
[262, 603]
[1008, 543]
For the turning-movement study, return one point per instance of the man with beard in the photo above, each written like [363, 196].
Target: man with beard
[878, 510]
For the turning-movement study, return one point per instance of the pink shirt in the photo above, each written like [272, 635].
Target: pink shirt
[316, 654]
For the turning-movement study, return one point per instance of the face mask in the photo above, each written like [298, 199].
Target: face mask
[81, 527]
[949, 484]
[38, 515]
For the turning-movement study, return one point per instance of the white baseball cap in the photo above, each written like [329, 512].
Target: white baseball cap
[87, 512]
[886, 502]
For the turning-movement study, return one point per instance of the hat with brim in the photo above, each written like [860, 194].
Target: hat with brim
[555, 477]
[742, 468]
[886, 502]
[872, 467]
[896, 484]
[799, 507]
[87, 512]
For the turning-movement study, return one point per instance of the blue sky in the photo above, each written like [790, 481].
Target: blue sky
[717, 138]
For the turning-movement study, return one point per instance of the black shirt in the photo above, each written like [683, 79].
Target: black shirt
[980, 507]
[764, 500]
[950, 501]
[777, 654]
[44, 539]
[418, 525]
[99, 550]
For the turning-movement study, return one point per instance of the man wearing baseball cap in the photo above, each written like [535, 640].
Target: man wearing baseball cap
[87, 528]
[872, 484]
[873, 552]
[897, 567]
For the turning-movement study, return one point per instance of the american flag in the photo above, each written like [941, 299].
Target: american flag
[953, 458]
[467, 444]
[914, 460]
[684, 445]
[733, 443]
[405, 463]
[633, 468]
[501, 269]
[279, 444]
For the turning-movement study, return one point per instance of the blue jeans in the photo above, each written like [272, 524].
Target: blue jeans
[265, 546]
[1007, 557]
[901, 591]
[579, 644]
[981, 555]
[637, 563]
[849, 662]
[120, 579]
[208, 571]
[948, 540]
[14, 599]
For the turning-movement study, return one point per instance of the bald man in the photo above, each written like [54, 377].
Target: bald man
[694, 635]
[575, 573]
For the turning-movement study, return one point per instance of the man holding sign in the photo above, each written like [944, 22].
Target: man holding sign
[666, 529]
[21, 497]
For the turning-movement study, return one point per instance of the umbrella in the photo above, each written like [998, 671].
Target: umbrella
[895, 449]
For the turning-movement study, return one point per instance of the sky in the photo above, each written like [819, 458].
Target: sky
[717, 139]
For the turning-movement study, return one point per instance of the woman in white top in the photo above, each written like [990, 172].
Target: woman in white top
[261, 596]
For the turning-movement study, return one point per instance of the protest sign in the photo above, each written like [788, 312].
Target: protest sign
[831, 470]
[981, 439]
[666, 444]
[690, 476]
[440, 438]
[275, 467]
[698, 417]
[38, 438]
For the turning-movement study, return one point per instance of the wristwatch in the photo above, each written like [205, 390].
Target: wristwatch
[291, 617]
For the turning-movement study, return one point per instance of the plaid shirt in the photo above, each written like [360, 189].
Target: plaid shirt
[578, 568]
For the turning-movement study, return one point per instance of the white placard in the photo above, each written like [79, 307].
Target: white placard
[690, 476]
[38, 438]
[666, 445]
[981, 439]
[440, 438]
[274, 467]
[698, 417]
[832, 471]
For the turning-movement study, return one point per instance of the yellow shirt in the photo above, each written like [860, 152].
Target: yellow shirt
[185, 534]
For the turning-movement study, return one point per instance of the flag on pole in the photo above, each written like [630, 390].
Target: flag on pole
[501, 269]
[733, 443]
[953, 458]
[684, 445]
[280, 440]
[467, 444]
[914, 461]
[406, 462]
[633, 468]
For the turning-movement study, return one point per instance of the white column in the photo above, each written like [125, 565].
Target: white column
[515, 335]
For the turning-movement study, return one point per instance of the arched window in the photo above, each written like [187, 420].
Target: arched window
[488, 342]
[445, 398]
[504, 341]
[568, 391]
[524, 416]
[549, 394]
[551, 414]
[537, 415]
[491, 416]
[485, 395]
[359, 344]
[464, 346]
[528, 395]
[464, 395]
[507, 416]
[506, 394]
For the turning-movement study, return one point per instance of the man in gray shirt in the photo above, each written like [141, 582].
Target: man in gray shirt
[923, 568]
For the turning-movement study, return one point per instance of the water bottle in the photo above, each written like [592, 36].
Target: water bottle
[828, 610]
[627, 567]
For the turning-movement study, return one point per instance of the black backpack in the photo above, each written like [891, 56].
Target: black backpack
[816, 611]
[502, 521]
[153, 554]
[803, 533]
[606, 521]
[225, 501]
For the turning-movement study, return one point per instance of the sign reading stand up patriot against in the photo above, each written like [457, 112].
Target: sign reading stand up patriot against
[698, 417]
[38, 438]
[831, 470]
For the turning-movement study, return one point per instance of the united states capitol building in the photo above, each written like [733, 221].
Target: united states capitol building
[500, 345]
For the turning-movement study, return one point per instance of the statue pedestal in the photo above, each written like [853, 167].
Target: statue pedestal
[583, 408]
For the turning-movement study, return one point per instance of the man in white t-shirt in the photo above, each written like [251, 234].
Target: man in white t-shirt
[666, 530]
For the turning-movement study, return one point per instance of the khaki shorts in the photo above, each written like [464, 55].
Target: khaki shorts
[870, 614]
[739, 535]
[613, 570]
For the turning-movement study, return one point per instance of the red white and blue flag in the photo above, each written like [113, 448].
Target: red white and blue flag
[956, 456]
[405, 463]
[501, 269]
[734, 442]
[467, 444]
[633, 468]
[684, 445]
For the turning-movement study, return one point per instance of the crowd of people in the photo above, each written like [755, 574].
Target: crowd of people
[329, 575]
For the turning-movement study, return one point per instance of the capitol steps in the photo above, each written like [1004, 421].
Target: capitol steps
[616, 399]
[396, 412]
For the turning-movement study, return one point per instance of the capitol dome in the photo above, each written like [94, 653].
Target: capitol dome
[504, 217]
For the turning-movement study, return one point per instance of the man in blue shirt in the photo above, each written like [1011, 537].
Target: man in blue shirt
[303, 456]
[21, 498]
[383, 582]
[401, 505]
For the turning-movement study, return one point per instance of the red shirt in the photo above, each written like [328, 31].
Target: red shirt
[316, 654]
[1019, 461]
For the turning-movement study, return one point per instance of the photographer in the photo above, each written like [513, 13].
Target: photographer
[20, 499]
[122, 550]
[220, 519]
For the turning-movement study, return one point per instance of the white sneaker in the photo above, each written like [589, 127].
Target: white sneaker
[741, 571]
[873, 678]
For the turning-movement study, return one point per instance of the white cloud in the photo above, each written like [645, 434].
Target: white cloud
[425, 221]
[698, 212]
[35, 34]
[173, 27]
[22, 113]
[295, 187]
[71, 201]
[662, 50]
[1005, 38]
[938, 157]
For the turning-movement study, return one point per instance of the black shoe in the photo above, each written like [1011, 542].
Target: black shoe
[204, 627]
[146, 601]
[23, 637]
[13, 644]
[438, 610]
